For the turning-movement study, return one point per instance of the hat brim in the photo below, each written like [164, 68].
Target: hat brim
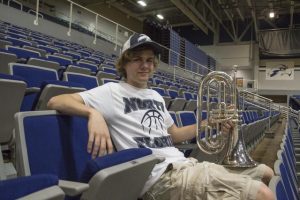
[152, 45]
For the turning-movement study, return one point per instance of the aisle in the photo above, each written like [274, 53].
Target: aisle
[266, 150]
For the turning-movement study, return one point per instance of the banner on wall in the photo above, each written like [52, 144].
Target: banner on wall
[280, 70]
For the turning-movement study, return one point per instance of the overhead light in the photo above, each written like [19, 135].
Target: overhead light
[142, 3]
[160, 16]
[271, 14]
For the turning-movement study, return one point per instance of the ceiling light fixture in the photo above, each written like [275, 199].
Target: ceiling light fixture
[271, 14]
[142, 3]
[160, 16]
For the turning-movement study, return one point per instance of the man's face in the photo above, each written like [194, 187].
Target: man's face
[140, 68]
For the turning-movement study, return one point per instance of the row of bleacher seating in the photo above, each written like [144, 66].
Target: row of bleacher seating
[286, 183]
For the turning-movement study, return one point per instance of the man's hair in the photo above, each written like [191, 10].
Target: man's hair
[128, 55]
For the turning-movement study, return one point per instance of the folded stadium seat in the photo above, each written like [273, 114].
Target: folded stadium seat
[88, 61]
[173, 87]
[47, 63]
[163, 93]
[88, 65]
[78, 69]
[37, 187]
[34, 77]
[277, 187]
[5, 58]
[74, 55]
[50, 89]
[191, 104]
[84, 53]
[107, 66]
[63, 61]
[3, 43]
[177, 103]
[12, 89]
[50, 49]
[109, 70]
[186, 118]
[281, 170]
[93, 59]
[101, 75]
[64, 55]
[174, 117]
[158, 81]
[40, 41]
[161, 85]
[87, 81]
[100, 59]
[107, 80]
[18, 42]
[41, 51]
[48, 142]
[22, 53]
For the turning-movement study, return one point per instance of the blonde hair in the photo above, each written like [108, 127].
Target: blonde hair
[128, 55]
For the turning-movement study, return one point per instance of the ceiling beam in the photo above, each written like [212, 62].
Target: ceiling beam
[231, 21]
[291, 13]
[182, 24]
[150, 12]
[190, 15]
[218, 18]
[245, 30]
[238, 10]
[192, 7]
[253, 14]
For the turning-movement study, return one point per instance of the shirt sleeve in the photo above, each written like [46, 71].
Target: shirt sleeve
[98, 98]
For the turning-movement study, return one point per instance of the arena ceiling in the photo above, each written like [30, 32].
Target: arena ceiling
[208, 15]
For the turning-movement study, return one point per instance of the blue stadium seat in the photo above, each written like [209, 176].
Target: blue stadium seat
[42, 186]
[87, 81]
[52, 143]
[277, 188]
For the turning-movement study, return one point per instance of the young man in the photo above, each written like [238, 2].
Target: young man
[134, 116]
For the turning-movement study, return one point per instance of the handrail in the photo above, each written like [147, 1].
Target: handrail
[33, 11]
[17, 2]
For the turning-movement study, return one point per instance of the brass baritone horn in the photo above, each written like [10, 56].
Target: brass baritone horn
[214, 141]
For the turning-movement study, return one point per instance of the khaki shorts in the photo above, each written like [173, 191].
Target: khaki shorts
[206, 181]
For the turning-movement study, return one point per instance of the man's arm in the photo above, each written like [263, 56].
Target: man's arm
[99, 142]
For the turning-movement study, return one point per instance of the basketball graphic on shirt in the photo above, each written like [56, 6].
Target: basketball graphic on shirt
[152, 119]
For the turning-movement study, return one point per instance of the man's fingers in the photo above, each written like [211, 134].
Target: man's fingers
[90, 143]
[96, 147]
[102, 150]
[110, 147]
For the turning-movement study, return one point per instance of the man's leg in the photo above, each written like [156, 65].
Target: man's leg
[264, 193]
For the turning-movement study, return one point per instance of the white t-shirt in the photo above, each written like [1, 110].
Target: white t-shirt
[136, 118]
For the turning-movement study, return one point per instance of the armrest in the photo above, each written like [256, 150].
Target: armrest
[53, 192]
[32, 90]
[73, 188]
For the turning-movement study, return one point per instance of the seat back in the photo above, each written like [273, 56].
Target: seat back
[53, 88]
[42, 186]
[277, 187]
[12, 92]
[33, 75]
[186, 118]
[47, 142]
[87, 81]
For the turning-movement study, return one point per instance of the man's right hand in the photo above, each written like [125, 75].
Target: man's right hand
[99, 142]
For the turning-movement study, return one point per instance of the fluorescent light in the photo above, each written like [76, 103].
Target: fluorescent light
[159, 16]
[142, 3]
[271, 14]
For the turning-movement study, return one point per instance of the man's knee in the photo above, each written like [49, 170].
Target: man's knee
[268, 174]
[264, 193]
